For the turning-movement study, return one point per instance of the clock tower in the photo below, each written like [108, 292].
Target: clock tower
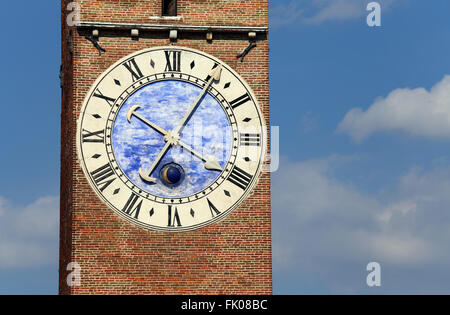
[165, 186]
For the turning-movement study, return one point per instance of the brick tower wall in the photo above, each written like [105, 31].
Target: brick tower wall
[232, 256]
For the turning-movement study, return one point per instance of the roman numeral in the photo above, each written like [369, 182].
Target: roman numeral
[212, 208]
[240, 178]
[132, 66]
[173, 217]
[96, 136]
[130, 207]
[108, 99]
[102, 176]
[240, 100]
[173, 60]
[250, 139]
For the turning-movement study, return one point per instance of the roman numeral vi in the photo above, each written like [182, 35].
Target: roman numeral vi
[173, 217]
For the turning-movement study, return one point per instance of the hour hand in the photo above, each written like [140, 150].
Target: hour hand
[147, 175]
[132, 112]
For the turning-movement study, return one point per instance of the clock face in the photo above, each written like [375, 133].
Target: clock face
[171, 138]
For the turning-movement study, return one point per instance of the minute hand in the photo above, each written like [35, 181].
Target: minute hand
[211, 163]
[214, 76]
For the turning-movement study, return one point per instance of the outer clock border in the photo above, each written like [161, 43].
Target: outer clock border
[226, 212]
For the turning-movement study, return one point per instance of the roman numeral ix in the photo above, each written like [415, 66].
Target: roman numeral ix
[96, 136]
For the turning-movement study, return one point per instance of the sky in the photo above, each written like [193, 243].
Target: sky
[364, 117]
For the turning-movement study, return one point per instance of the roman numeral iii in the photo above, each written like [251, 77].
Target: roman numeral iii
[250, 139]
[240, 178]
[173, 60]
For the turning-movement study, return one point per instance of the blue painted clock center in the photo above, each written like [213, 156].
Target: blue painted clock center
[165, 103]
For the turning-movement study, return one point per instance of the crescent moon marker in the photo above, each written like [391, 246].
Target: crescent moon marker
[165, 176]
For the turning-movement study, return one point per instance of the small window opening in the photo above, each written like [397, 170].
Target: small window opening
[169, 8]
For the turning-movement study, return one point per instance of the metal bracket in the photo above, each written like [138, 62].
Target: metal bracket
[70, 42]
[61, 77]
[94, 41]
[246, 51]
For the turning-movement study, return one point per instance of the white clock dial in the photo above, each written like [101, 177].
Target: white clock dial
[171, 138]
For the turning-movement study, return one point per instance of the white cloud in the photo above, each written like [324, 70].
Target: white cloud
[285, 14]
[329, 230]
[417, 112]
[29, 234]
[319, 11]
[337, 10]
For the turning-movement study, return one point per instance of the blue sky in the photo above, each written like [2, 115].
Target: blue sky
[364, 116]
[29, 134]
[367, 184]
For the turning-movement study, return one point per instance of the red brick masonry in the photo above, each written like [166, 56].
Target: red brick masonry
[116, 257]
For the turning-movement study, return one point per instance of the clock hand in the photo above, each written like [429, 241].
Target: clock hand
[211, 163]
[132, 112]
[214, 76]
[146, 175]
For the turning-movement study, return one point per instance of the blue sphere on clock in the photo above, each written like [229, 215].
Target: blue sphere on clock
[172, 174]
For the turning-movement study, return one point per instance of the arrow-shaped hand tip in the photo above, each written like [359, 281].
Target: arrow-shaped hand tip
[216, 73]
[212, 165]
